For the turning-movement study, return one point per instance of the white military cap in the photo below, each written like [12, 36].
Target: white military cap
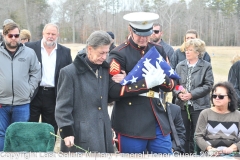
[141, 22]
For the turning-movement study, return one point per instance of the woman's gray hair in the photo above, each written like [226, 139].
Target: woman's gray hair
[198, 45]
[99, 38]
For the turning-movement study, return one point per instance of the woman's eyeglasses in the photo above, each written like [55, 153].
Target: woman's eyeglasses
[13, 35]
[219, 96]
[156, 31]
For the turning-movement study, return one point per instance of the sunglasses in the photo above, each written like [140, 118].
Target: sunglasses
[219, 96]
[13, 35]
[156, 31]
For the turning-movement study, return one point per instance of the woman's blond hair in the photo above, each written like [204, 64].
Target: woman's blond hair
[198, 46]
[25, 34]
[235, 58]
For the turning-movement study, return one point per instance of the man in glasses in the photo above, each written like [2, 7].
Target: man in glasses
[20, 74]
[52, 57]
[157, 38]
[138, 117]
[4, 23]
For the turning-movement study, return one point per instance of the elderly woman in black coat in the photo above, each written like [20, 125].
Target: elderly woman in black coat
[82, 99]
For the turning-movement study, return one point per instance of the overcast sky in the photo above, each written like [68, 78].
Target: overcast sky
[55, 1]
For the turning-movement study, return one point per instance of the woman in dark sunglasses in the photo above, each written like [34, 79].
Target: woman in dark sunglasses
[218, 127]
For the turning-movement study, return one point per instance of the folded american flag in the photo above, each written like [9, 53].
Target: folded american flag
[152, 56]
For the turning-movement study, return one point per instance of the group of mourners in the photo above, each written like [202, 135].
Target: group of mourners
[202, 116]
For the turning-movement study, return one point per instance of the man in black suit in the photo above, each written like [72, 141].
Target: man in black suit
[177, 134]
[52, 57]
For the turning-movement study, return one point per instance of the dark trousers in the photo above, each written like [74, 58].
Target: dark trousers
[190, 127]
[44, 104]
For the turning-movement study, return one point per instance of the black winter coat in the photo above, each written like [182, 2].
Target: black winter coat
[81, 108]
[234, 78]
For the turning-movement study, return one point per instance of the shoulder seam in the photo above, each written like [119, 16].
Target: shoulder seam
[126, 44]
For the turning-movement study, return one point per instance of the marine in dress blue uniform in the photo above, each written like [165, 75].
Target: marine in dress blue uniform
[138, 117]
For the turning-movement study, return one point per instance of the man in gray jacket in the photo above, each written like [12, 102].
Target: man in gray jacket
[19, 77]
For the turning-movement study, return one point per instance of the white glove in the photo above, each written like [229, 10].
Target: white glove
[153, 76]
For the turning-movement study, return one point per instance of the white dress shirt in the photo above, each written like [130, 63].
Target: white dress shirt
[48, 66]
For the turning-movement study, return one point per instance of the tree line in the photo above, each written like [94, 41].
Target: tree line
[217, 21]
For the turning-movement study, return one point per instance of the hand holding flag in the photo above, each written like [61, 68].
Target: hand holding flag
[153, 57]
[153, 76]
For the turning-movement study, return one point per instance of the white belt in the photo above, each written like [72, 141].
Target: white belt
[150, 94]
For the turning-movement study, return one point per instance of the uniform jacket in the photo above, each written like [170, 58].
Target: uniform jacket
[19, 76]
[179, 56]
[81, 107]
[201, 83]
[234, 78]
[63, 57]
[134, 115]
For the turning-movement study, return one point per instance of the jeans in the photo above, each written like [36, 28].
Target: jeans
[10, 114]
[160, 144]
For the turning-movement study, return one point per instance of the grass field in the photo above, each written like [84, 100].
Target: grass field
[221, 61]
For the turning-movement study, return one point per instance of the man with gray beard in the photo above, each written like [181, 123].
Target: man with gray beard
[52, 57]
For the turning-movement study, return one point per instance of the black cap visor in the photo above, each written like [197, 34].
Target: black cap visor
[142, 32]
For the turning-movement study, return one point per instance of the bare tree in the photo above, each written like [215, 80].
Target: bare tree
[216, 21]
[26, 14]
